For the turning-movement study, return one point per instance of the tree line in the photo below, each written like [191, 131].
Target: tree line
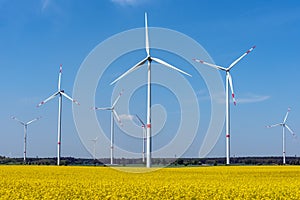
[155, 161]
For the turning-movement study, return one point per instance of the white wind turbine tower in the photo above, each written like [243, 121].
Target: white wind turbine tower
[148, 58]
[228, 84]
[284, 126]
[94, 146]
[59, 93]
[114, 114]
[25, 124]
[144, 136]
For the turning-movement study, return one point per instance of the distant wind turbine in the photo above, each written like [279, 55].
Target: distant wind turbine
[25, 124]
[228, 84]
[94, 146]
[144, 136]
[59, 93]
[148, 58]
[114, 114]
[284, 126]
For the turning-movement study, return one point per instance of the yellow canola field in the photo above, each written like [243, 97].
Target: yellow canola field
[226, 182]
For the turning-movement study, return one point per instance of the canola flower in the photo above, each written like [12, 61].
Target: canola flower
[221, 182]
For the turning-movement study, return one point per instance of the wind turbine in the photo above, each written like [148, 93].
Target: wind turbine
[59, 93]
[113, 114]
[94, 146]
[148, 58]
[284, 126]
[144, 136]
[25, 124]
[228, 84]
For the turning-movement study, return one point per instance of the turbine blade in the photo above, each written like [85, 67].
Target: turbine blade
[231, 87]
[68, 97]
[18, 120]
[135, 67]
[106, 108]
[287, 114]
[290, 130]
[59, 77]
[140, 120]
[271, 126]
[209, 64]
[33, 120]
[116, 116]
[117, 99]
[48, 99]
[146, 35]
[240, 58]
[170, 66]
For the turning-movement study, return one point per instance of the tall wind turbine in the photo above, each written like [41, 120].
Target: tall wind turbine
[144, 136]
[148, 58]
[94, 146]
[228, 84]
[25, 124]
[284, 126]
[59, 93]
[114, 114]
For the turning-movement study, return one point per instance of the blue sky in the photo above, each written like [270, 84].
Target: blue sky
[39, 35]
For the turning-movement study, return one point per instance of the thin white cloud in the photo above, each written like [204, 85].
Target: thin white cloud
[51, 5]
[126, 117]
[241, 99]
[253, 98]
[45, 4]
[128, 2]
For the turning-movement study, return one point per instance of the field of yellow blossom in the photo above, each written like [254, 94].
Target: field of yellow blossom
[220, 182]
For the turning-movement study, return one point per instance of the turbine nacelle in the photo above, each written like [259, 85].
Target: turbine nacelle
[227, 70]
[59, 91]
[148, 58]
[25, 123]
[284, 124]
